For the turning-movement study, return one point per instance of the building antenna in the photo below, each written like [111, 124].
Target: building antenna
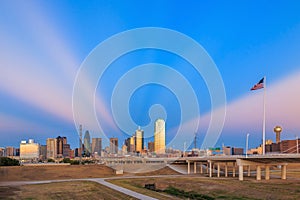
[195, 140]
[80, 143]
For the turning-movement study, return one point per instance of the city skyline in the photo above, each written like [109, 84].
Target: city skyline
[57, 148]
[45, 43]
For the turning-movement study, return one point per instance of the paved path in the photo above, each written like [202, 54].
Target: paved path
[98, 180]
[18, 183]
[121, 189]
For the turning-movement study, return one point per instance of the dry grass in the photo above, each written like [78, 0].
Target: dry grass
[162, 171]
[30, 173]
[217, 188]
[131, 184]
[62, 190]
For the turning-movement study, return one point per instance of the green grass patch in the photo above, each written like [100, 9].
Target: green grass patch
[191, 195]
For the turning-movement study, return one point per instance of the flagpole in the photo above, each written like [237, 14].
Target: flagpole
[264, 118]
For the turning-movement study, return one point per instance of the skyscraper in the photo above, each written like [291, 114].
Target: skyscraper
[61, 141]
[113, 145]
[10, 151]
[43, 152]
[96, 145]
[2, 151]
[159, 137]
[51, 148]
[79, 150]
[66, 150]
[130, 143]
[87, 143]
[124, 149]
[29, 151]
[150, 147]
[17, 151]
[139, 140]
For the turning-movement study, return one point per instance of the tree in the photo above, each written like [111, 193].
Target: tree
[5, 161]
[66, 160]
[50, 160]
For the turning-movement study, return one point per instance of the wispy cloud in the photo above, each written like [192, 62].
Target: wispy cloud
[13, 124]
[25, 73]
[246, 113]
[282, 107]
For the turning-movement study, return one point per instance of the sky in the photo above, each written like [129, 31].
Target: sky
[115, 65]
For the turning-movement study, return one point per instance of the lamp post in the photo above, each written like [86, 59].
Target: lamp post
[247, 144]
[184, 148]
[297, 144]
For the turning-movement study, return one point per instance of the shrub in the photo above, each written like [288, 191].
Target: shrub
[75, 162]
[189, 195]
[72, 162]
[66, 160]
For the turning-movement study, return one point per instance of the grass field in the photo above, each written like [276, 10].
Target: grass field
[62, 190]
[217, 188]
[209, 188]
[32, 173]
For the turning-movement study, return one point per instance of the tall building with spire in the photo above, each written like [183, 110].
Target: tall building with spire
[159, 137]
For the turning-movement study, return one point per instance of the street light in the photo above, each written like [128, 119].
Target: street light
[184, 148]
[247, 145]
[297, 144]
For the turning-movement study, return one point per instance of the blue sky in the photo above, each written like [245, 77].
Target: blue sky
[44, 43]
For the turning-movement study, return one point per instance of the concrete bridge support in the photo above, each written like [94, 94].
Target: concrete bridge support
[201, 168]
[283, 172]
[210, 169]
[259, 164]
[258, 172]
[233, 170]
[241, 172]
[249, 170]
[207, 168]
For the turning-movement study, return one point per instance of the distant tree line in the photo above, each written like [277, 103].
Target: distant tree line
[68, 160]
[5, 161]
[76, 162]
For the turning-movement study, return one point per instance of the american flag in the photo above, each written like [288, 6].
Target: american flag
[259, 85]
